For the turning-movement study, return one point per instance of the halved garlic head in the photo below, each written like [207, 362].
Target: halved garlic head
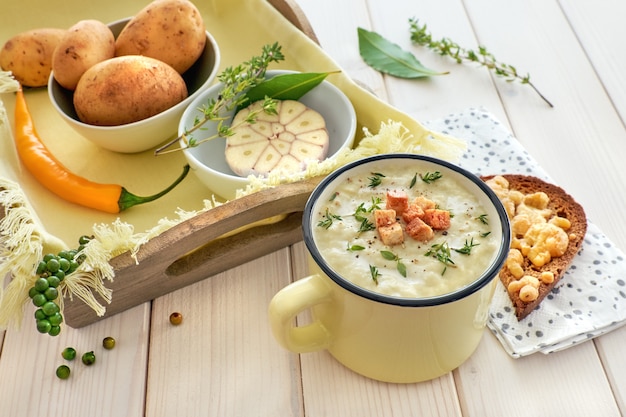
[284, 142]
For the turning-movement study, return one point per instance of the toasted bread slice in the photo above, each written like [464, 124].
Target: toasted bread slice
[560, 204]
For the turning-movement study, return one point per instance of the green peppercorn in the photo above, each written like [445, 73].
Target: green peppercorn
[69, 353]
[48, 257]
[63, 372]
[56, 319]
[108, 343]
[43, 326]
[41, 284]
[54, 281]
[176, 318]
[53, 265]
[60, 275]
[40, 315]
[51, 293]
[32, 292]
[54, 330]
[39, 300]
[41, 268]
[88, 358]
[65, 254]
[83, 240]
[64, 264]
[50, 308]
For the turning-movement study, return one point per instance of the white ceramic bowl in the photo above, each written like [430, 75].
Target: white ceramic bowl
[147, 133]
[208, 160]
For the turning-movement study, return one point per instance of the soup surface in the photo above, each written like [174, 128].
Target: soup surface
[345, 232]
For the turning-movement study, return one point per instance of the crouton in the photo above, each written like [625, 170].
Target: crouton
[398, 201]
[384, 217]
[419, 230]
[424, 203]
[437, 219]
[392, 234]
[414, 211]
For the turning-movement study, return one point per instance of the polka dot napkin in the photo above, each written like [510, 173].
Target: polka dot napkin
[590, 300]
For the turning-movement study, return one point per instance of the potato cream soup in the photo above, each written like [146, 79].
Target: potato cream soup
[366, 230]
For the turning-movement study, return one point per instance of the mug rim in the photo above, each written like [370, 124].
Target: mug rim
[463, 292]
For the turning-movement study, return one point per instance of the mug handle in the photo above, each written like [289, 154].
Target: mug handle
[288, 303]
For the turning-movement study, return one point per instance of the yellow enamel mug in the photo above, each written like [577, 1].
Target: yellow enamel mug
[383, 337]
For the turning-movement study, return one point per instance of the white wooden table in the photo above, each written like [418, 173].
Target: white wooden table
[223, 361]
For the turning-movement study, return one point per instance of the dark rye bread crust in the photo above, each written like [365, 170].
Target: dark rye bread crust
[563, 205]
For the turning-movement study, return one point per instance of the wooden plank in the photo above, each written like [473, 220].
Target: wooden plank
[600, 29]
[222, 359]
[567, 383]
[611, 350]
[332, 389]
[114, 386]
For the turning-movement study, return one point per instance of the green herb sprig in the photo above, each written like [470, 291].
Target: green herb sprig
[431, 177]
[483, 218]
[237, 80]
[327, 219]
[467, 247]
[441, 252]
[374, 273]
[376, 179]
[446, 47]
[390, 256]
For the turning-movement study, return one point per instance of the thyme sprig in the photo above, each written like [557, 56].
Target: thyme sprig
[327, 219]
[483, 218]
[446, 47]
[374, 273]
[431, 177]
[237, 80]
[441, 252]
[467, 247]
[390, 256]
[376, 179]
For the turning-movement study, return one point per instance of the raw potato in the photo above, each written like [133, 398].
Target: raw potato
[85, 44]
[28, 55]
[170, 30]
[127, 89]
[283, 142]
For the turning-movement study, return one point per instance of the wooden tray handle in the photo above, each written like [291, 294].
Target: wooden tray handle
[211, 242]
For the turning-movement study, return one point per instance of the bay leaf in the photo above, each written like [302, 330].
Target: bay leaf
[385, 56]
[285, 86]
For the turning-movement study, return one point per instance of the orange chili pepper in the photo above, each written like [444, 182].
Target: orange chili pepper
[51, 173]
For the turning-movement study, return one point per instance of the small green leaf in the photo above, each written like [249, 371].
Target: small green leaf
[285, 87]
[390, 256]
[401, 269]
[387, 57]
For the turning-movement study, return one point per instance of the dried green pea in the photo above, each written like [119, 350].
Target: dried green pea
[89, 358]
[69, 353]
[63, 372]
[108, 343]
